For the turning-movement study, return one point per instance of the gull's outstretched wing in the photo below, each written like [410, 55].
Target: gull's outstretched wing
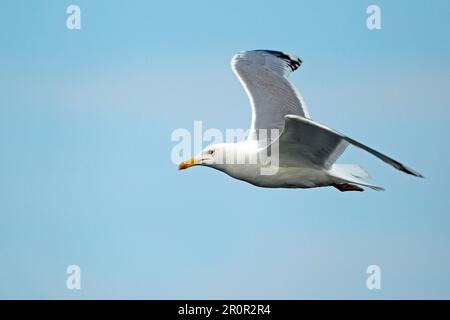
[263, 74]
[304, 141]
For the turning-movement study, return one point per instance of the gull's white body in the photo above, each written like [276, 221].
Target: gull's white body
[286, 177]
[307, 150]
[301, 175]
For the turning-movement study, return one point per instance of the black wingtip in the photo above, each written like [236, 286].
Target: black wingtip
[294, 62]
[409, 171]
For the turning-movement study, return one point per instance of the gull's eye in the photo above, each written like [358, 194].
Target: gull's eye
[211, 152]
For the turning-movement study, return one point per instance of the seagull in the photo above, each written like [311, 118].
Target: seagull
[285, 148]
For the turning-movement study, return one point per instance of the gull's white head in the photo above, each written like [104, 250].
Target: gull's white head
[226, 157]
[212, 156]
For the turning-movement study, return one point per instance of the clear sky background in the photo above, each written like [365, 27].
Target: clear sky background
[86, 176]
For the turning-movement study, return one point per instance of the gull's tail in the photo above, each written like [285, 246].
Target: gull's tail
[345, 175]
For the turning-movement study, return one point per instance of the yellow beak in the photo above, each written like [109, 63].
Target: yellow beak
[186, 164]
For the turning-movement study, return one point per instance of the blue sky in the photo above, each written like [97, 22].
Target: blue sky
[86, 176]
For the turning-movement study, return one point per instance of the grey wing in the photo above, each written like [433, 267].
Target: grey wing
[305, 141]
[263, 74]
[309, 143]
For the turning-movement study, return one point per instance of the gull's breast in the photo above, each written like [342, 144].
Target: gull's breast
[281, 177]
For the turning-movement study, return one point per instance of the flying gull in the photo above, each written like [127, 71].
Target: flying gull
[283, 135]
